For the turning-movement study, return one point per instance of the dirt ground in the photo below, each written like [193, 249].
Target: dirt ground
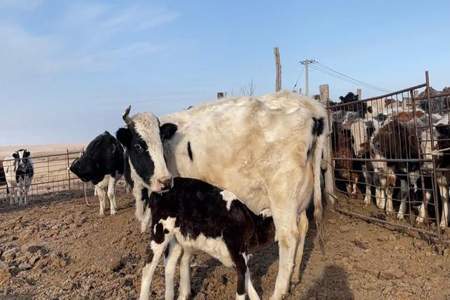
[64, 250]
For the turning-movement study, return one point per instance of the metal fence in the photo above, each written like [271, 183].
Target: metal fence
[387, 159]
[52, 180]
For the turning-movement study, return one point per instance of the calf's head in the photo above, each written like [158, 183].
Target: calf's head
[102, 156]
[143, 138]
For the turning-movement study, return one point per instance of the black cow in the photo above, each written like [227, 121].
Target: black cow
[195, 215]
[102, 163]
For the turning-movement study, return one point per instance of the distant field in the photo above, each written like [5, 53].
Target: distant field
[37, 150]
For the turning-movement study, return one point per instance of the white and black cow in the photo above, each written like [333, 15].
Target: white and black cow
[267, 150]
[19, 173]
[194, 215]
[103, 164]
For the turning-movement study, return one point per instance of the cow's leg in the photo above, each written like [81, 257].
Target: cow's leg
[287, 235]
[404, 189]
[249, 288]
[303, 230]
[101, 194]
[112, 195]
[170, 263]
[380, 194]
[19, 191]
[149, 269]
[146, 219]
[443, 189]
[389, 202]
[137, 193]
[368, 192]
[185, 275]
[423, 208]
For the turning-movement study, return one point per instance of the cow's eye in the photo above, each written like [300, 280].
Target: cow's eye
[138, 148]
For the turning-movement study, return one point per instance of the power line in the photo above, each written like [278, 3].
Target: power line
[342, 76]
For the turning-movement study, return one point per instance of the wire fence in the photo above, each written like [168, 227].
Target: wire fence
[389, 156]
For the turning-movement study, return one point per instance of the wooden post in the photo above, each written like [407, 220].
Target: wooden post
[327, 163]
[276, 52]
[359, 93]
[68, 166]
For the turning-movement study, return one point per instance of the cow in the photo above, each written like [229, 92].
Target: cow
[194, 215]
[267, 150]
[397, 142]
[345, 167]
[103, 164]
[19, 173]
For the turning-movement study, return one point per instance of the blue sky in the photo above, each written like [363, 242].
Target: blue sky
[69, 68]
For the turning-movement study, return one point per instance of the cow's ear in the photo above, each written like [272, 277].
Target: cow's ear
[167, 131]
[15, 155]
[342, 98]
[26, 153]
[124, 136]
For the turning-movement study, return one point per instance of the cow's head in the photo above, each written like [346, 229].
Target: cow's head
[143, 138]
[103, 156]
[21, 161]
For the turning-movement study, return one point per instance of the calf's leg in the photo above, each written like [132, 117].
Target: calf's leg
[185, 275]
[170, 263]
[149, 269]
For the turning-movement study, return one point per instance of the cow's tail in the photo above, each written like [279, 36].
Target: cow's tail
[320, 131]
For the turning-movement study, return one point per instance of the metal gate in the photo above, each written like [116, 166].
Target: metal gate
[389, 158]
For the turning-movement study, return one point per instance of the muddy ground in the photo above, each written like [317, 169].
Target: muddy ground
[64, 250]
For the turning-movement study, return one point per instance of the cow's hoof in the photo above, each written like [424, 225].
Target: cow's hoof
[419, 220]
[400, 216]
[389, 212]
[101, 214]
[113, 212]
[443, 226]
[183, 297]
[143, 228]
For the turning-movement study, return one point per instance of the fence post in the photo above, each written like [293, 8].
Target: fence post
[276, 52]
[68, 171]
[359, 93]
[329, 188]
[433, 156]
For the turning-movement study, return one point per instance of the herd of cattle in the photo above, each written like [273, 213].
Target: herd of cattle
[233, 175]
[388, 146]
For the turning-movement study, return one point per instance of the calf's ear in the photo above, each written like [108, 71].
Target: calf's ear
[124, 136]
[167, 130]
[26, 154]
[15, 155]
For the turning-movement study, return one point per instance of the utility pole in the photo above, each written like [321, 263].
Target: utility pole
[306, 63]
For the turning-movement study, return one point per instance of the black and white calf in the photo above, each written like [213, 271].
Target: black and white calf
[102, 163]
[195, 215]
[19, 173]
